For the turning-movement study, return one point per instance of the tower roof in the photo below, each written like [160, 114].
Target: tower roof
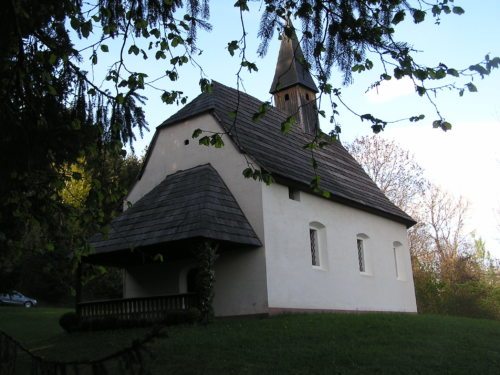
[291, 69]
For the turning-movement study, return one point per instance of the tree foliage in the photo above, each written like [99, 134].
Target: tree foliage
[453, 272]
[392, 168]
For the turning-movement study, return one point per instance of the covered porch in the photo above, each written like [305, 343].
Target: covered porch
[162, 242]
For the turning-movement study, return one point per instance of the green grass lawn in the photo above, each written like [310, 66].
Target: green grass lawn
[287, 344]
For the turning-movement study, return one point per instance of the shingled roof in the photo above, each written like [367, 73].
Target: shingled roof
[194, 203]
[283, 155]
[291, 69]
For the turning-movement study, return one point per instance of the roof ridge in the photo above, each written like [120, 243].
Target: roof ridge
[263, 141]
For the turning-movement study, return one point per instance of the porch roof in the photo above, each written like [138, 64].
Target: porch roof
[195, 203]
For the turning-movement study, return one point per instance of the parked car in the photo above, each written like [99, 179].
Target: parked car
[16, 298]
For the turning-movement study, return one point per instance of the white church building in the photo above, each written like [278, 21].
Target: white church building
[283, 246]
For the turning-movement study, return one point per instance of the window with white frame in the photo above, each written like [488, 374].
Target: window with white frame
[362, 253]
[317, 245]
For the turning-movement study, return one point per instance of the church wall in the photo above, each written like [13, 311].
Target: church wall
[337, 283]
[241, 275]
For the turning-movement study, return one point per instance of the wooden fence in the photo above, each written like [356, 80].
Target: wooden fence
[144, 308]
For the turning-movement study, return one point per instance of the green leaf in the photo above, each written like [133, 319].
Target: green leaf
[52, 59]
[104, 48]
[421, 90]
[86, 28]
[418, 15]
[471, 87]
[197, 133]
[286, 125]
[446, 126]
[440, 74]
[262, 111]
[416, 118]
[206, 86]
[247, 172]
[75, 23]
[398, 17]
[249, 65]
[458, 10]
[155, 32]
[232, 46]
[358, 68]
[377, 128]
[242, 4]
[204, 141]
[120, 98]
[452, 72]
[420, 74]
[160, 55]
[133, 49]
[480, 69]
[216, 141]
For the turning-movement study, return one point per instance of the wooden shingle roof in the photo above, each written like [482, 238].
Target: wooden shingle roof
[194, 203]
[283, 155]
[291, 69]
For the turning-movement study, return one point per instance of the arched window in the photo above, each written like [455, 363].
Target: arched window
[317, 244]
[362, 252]
[397, 251]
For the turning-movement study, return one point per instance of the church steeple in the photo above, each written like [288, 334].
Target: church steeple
[293, 87]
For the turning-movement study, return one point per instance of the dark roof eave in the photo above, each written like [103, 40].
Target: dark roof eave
[169, 122]
[122, 256]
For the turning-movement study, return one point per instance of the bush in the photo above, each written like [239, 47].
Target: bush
[69, 322]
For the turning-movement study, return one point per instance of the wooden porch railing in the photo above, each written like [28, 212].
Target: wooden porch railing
[144, 308]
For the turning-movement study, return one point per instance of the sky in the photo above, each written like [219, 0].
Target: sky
[464, 161]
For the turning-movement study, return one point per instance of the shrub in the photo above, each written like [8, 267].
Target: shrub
[69, 322]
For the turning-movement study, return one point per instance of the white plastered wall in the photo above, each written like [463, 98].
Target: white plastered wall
[337, 284]
[240, 274]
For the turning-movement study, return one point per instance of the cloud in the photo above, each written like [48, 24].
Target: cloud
[466, 162]
[390, 90]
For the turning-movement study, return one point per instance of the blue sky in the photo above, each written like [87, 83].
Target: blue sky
[465, 160]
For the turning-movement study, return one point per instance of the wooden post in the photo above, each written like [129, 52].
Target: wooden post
[78, 286]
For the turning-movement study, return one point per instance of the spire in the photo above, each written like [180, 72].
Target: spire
[293, 88]
[290, 69]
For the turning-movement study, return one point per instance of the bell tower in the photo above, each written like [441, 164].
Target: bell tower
[293, 88]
